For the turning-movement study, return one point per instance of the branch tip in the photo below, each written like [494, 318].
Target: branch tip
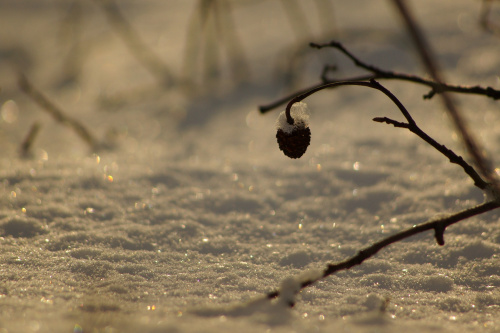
[430, 94]
[390, 121]
[439, 235]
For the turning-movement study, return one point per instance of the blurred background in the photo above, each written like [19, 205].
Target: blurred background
[178, 61]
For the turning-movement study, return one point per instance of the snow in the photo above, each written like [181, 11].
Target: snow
[191, 214]
[300, 114]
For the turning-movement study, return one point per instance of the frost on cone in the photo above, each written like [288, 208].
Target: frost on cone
[294, 139]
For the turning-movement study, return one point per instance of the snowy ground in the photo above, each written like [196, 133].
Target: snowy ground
[194, 207]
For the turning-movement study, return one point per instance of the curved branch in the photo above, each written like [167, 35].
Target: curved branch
[372, 84]
[452, 157]
[411, 125]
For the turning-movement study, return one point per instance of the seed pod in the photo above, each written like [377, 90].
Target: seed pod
[294, 144]
[294, 139]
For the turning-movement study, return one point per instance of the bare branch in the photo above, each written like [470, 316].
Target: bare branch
[436, 87]
[438, 225]
[390, 121]
[411, 125]
[472, 146]
[381, 74]
[454, 158]
[273, 105]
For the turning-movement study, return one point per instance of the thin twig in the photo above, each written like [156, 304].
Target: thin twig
[142, 52]
[70, 31]
[372, 84]
[56, 112]
[436, 87]
[424, 50]
[411, 125]
[381, 74]
[226, 28]
[439, 226]
[454, 158]
[212, 29]
[27, 144]
[283, 100]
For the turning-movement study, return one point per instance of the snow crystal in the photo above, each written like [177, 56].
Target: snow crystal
[300, 115]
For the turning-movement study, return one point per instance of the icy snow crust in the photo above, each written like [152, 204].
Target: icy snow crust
[193, 213]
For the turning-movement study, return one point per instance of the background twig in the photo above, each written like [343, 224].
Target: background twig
[136, 45]
[28, 141]
[423, 48]
[40, 99]
[484, 18]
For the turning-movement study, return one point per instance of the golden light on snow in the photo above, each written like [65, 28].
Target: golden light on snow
[9, 111]
[43, 156]
[206, 213]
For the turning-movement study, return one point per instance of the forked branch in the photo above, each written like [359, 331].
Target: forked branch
[379, 73]
[473, 146]
[439, 225]
[410, 125]
[437, 85]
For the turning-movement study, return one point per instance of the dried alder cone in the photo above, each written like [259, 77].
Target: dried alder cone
[294, 136]
[294, 144]
[293, 139]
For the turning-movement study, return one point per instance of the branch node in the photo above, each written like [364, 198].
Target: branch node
[430, 94]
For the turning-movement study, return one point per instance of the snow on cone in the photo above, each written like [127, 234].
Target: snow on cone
[294, 139]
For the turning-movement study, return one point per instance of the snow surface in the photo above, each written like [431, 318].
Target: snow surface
[192, 213]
